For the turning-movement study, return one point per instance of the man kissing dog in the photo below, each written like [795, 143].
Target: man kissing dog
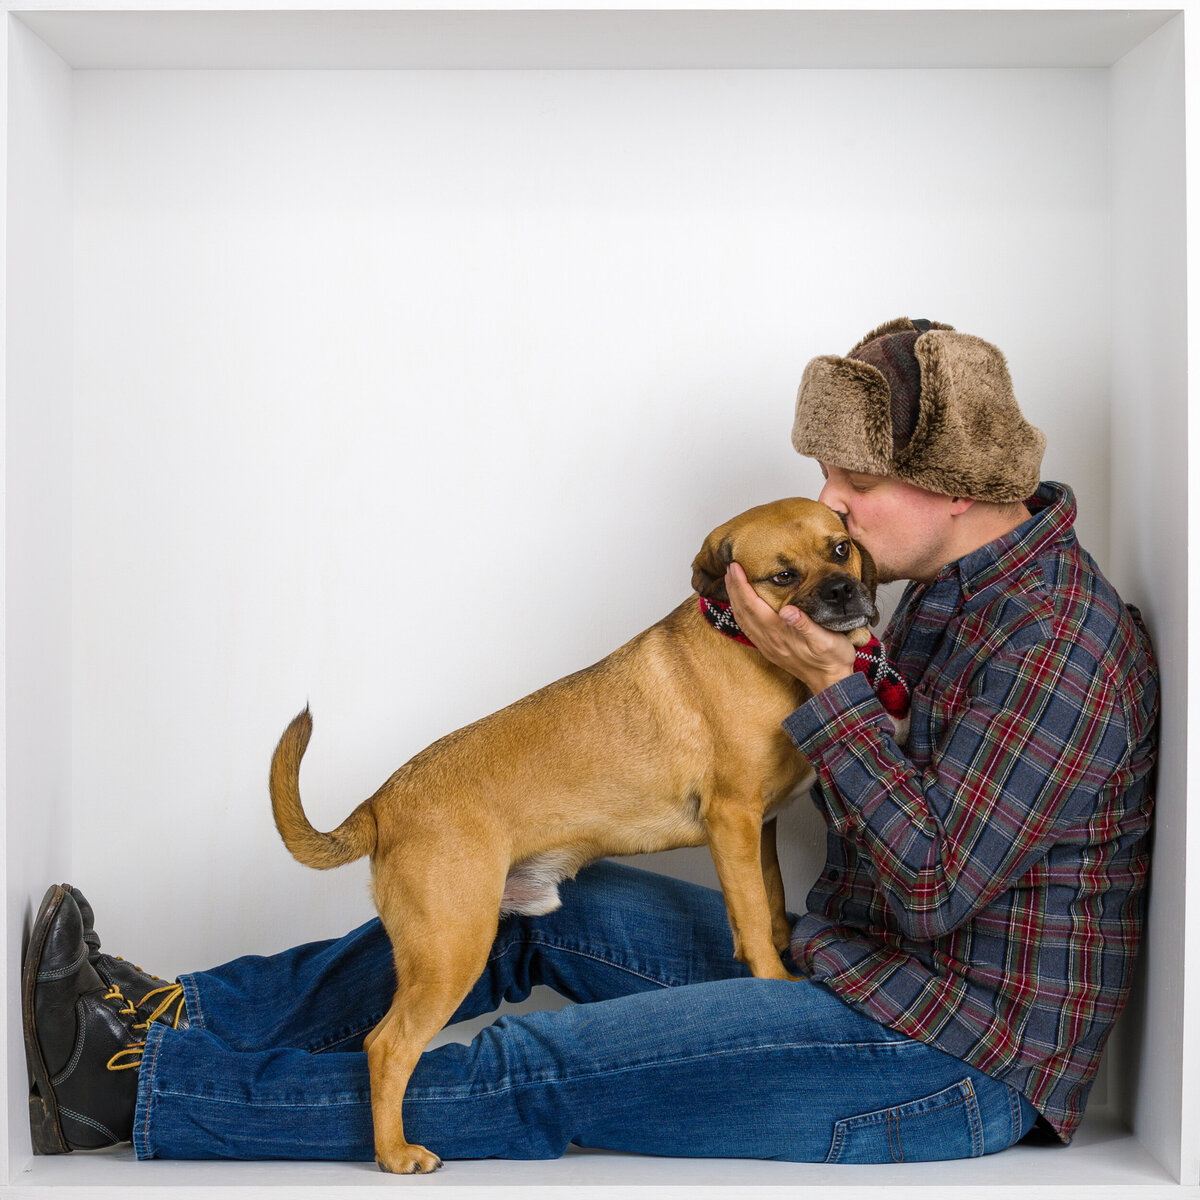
[951, 978]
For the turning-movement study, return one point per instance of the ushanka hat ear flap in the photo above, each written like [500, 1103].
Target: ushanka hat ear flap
[843, 415]
[970, 438]
[921, 402]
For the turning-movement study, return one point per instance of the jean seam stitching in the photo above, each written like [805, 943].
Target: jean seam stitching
[324, 1102]
[532, 939]
[357, 1032]
[417, 1093]
[839, 1136]
[627, 1067]
[151, 1098]
[192, 992]
[974, 1119]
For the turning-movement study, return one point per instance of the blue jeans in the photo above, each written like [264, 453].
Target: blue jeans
[671, 1048]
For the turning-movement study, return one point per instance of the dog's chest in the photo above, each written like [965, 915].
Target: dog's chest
[790, 784]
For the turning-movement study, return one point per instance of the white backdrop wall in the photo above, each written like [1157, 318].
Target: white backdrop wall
[1149, 290]
[35, 840]
[406, 393]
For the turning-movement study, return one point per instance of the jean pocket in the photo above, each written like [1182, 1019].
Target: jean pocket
[944, 1125]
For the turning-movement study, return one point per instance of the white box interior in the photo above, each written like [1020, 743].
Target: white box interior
[405, 390]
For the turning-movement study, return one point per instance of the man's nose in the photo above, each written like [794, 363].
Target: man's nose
[829, 495]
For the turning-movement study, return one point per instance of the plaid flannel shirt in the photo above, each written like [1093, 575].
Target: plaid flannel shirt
[982, 887]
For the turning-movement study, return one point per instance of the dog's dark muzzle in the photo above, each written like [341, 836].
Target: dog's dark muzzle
[839, 603]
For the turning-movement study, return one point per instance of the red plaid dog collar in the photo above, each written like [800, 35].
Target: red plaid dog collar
[887, 683]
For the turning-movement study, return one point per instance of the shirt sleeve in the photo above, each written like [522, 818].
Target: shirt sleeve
[1020, 759]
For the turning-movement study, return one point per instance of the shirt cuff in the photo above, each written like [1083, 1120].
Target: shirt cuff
[830, 730]
[831, 715]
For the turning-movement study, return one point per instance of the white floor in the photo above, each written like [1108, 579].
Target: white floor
[1104, 1161]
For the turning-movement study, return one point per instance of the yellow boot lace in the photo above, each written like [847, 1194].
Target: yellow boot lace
[172, 994]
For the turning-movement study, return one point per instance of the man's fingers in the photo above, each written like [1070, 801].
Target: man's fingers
[737, 577]
[789, 638]
[747, 603]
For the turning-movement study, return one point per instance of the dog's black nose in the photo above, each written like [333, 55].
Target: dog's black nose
[836, 591]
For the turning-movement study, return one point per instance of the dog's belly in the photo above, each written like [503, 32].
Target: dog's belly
[531, 888]
[532, 884]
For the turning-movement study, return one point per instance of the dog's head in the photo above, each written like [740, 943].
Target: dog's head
[793, 552]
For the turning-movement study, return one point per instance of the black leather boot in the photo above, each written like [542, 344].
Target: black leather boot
[154, 998]
[83, 1037]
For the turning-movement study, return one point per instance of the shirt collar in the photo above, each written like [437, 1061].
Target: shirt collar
[1052, 509]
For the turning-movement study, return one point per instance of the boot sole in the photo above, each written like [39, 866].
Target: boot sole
[44, 1125]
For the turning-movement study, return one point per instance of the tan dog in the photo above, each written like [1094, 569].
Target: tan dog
[672, 740]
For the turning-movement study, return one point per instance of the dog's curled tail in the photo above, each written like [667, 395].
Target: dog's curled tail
[353, 838]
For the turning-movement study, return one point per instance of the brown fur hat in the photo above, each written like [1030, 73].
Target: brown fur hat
[922, 402]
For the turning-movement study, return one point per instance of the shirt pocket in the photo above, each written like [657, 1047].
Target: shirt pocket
[942, 1126]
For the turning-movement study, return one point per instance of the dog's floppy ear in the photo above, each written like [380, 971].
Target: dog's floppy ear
[870, 575]
[708, 567]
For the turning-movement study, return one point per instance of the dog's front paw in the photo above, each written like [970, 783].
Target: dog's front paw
[408, 1160]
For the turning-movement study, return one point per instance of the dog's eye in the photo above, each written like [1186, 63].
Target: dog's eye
[784, 578]
[841, 551]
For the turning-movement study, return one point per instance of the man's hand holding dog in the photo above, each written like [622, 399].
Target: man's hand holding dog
[817, 657]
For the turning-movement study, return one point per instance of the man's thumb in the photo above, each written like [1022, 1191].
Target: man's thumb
[791, 616]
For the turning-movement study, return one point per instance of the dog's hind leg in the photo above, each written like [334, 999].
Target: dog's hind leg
[441, 938]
